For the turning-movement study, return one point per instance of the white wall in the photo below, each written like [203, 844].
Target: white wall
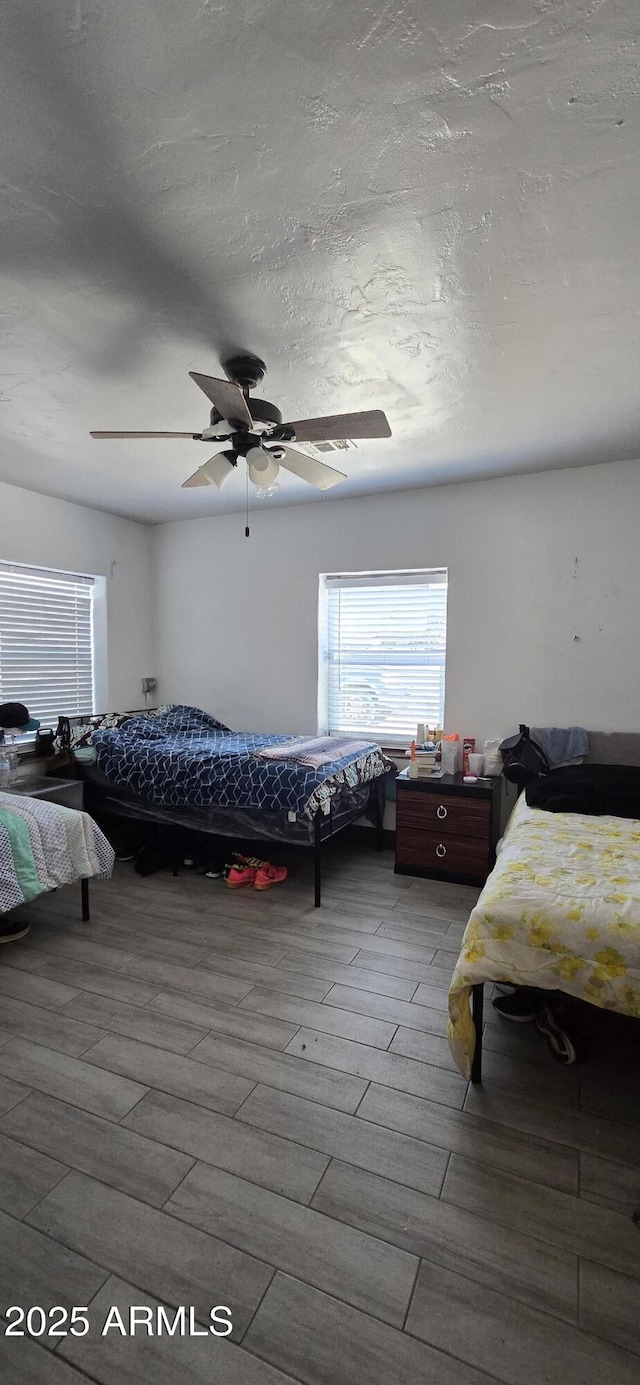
[53, 533]
[534, 562]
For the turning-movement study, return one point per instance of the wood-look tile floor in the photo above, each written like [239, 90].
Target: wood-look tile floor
[210, 1097]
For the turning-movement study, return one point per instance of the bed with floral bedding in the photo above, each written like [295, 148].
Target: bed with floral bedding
[561, 911]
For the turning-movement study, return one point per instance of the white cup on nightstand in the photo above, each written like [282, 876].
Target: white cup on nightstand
[475, 763]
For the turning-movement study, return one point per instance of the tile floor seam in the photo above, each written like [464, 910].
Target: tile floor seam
[437, 1351]
[73, 1168]
[354, 1113]
[55, 1240]
[277, 1268]
[351, 1162]
[197, 996]
[333, 1110]
[461, 1360]
[160, 1207]
[446, 1170]
[153, 1293]
[421, 1255]
[610, 1121]
[470, 1158]
[67, 1170]
[25, 1097]
[412, 1294]
[240, 1339]
[511, 1227]
[147, 1207]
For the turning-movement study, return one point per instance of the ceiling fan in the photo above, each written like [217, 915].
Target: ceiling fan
[255, 423]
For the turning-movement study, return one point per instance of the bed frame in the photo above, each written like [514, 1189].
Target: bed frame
[605, 748]
[103, 799]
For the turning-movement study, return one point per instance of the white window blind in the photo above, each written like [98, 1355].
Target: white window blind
[46, 641]
[383, 652]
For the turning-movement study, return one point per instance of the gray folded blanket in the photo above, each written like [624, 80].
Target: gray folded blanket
[562, 745]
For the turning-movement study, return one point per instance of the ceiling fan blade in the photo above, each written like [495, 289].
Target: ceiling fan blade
[228, 399]
[308, 469]
[196, 436]
[371, 424]
[214, 473]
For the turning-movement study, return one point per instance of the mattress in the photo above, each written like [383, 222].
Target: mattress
[561, 911]
[185, 758]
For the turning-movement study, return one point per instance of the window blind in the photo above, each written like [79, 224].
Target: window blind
[384, 652]
[46, 641]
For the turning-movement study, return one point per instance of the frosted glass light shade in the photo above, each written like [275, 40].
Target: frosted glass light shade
[263, 469]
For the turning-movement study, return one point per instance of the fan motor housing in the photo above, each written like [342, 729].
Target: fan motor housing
[246, 371]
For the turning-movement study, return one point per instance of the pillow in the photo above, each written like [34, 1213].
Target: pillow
[591, 789]
[80, 736]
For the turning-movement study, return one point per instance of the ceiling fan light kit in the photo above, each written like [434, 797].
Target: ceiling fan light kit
[263, 467]
[218, 469]
[253, 423]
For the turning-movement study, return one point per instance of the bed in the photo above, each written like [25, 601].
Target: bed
[180, 766]
[45, 845]
[560, 911]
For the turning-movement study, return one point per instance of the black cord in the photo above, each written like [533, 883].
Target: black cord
[246, 501]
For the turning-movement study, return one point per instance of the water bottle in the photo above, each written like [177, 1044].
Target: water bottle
[5, 769]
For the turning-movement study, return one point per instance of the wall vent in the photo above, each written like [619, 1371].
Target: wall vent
[341, 445]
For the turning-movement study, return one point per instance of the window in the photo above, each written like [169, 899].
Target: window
[382, 652]
[46, 641]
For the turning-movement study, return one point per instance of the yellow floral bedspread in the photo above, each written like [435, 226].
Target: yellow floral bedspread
[560, 910]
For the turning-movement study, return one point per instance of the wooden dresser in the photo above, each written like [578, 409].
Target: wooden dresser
[445, 829]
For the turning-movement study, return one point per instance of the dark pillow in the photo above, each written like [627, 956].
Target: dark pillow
[592, 789]
[80, 736]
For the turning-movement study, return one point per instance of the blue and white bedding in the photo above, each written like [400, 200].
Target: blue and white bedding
[184, 757]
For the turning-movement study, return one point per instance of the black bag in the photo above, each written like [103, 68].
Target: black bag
[522, 758]
[45, 743]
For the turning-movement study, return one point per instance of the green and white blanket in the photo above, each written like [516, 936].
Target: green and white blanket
[44, 845]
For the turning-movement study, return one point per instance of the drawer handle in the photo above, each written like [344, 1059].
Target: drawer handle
[441, 811]
[440, 849]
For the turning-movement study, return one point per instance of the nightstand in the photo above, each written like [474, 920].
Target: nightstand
[445, 829]
[67, 792]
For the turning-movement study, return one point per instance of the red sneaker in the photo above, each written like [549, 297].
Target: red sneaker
[268, 875]
[240, 875]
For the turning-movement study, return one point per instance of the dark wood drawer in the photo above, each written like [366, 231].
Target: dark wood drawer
[447, 815]
[437, 852]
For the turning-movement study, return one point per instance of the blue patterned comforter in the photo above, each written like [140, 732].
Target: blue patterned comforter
[184, 757]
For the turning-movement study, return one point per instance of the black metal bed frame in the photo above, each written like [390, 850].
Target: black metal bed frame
[376, 795]
[84, 899]
[477, 1008]
[322, 827]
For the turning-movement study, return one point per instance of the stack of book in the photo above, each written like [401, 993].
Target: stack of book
[427, 763]
[424, 764]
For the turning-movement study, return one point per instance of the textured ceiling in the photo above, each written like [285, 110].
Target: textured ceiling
[420, 205]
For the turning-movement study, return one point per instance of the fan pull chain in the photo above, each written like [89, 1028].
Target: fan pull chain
[246, 502]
